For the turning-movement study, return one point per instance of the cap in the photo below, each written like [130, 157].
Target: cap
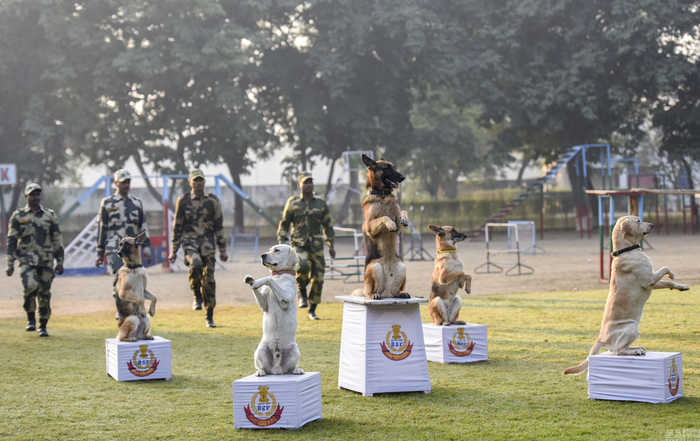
[122, 175]
[31, 186]
[304, 176]
[197, 173]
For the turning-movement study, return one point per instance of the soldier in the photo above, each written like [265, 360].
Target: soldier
[198, 228]
[307, 214]
[120, 215]
[35, 240]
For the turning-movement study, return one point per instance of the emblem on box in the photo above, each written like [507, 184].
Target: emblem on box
[263, 410]
[143, 363]
[674, 379]
[461, 343]
[396, 346]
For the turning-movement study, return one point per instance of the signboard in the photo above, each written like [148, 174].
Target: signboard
[8, 174]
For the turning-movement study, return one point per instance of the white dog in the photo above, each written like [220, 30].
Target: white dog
[277, 352]
[631, 281]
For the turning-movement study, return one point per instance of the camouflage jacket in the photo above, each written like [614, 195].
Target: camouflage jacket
[34, 238]
[306, 221]
[198, 224]
[119, 217]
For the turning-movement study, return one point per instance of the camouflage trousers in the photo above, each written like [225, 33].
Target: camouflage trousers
[115, 262]
[36, 281]
[312, 266]
[201, 276]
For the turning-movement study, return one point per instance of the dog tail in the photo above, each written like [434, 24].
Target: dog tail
[575, 370]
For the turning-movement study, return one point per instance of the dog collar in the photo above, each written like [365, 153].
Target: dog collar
[134, 266]
[380, 192]
[277, 273]
[624, 250]
[453, 250]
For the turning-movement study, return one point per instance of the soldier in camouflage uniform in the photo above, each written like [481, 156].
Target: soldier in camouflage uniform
[120, 215]
[198, 228]
[35, 240]
[307, 215]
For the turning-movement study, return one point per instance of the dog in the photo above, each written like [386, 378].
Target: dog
[276, 294]
[631, 282]
[385, 274]
[448, 277]
[132, 294]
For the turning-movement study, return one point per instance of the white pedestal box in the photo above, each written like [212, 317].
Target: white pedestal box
[381, 346]
[656, 377]
[139, 360]
[456, 343]
[276, 401]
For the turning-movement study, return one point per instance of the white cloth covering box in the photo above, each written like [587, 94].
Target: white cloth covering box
[656, 377]
[456, 343]
[382, 347]
[276, 401]
[139, 360]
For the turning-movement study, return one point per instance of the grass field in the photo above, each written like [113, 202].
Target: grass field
[56, 388]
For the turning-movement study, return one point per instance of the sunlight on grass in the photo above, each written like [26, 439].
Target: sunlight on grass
[57, 388]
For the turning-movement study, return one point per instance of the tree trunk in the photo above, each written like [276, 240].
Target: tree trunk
[450, 186]
[151, 189]
[691, 184]
[238, 213]
[329, 181]
[523, 166]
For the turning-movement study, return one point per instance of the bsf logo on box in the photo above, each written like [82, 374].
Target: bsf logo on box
[143, 363]
[264, 410]
[674, 380]
[396, 346]
[461, 343]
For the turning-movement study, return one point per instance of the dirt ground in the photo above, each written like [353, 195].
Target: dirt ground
[566, 263]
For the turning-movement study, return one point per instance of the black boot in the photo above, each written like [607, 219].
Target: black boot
[42, 328]
[312, 312]
[210, 318]
[197, 303]
[31, 321]
[303, 300]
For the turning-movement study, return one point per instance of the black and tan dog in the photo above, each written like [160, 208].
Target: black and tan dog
[134, 323]
[448, 277]
[385, 274]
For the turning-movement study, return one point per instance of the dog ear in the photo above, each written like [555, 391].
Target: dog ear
[626, 226]
[435, 229]
[295, 259]
[369, 162]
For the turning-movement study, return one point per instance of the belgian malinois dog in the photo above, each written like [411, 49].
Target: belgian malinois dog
[132, 294]
[448, 277]
[385, 274]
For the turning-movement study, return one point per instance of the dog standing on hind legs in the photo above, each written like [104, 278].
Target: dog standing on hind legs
[631, 281]
[448, 277]
[385, 274]
[277, 352]
[132, 294]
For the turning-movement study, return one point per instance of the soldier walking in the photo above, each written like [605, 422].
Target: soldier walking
[120, 215]
[198, 228]
[35, 241]
[307, 215]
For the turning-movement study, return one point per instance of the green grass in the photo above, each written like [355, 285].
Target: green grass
[56, 388]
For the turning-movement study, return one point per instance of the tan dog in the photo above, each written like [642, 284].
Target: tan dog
[631, 281]
[448, 277]
[134, 323]
[385, 274]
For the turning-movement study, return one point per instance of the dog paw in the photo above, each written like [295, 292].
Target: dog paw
[403, 218]
[403, 295]
[682, 287]
[298, 371]
[377, 297]
[390, 225]
[249, 279]
[148, 337]
[260, 373]
[671, 275]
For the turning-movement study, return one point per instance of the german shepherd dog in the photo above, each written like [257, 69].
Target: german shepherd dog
[132, 294]
[385, 274]
[448, 277]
